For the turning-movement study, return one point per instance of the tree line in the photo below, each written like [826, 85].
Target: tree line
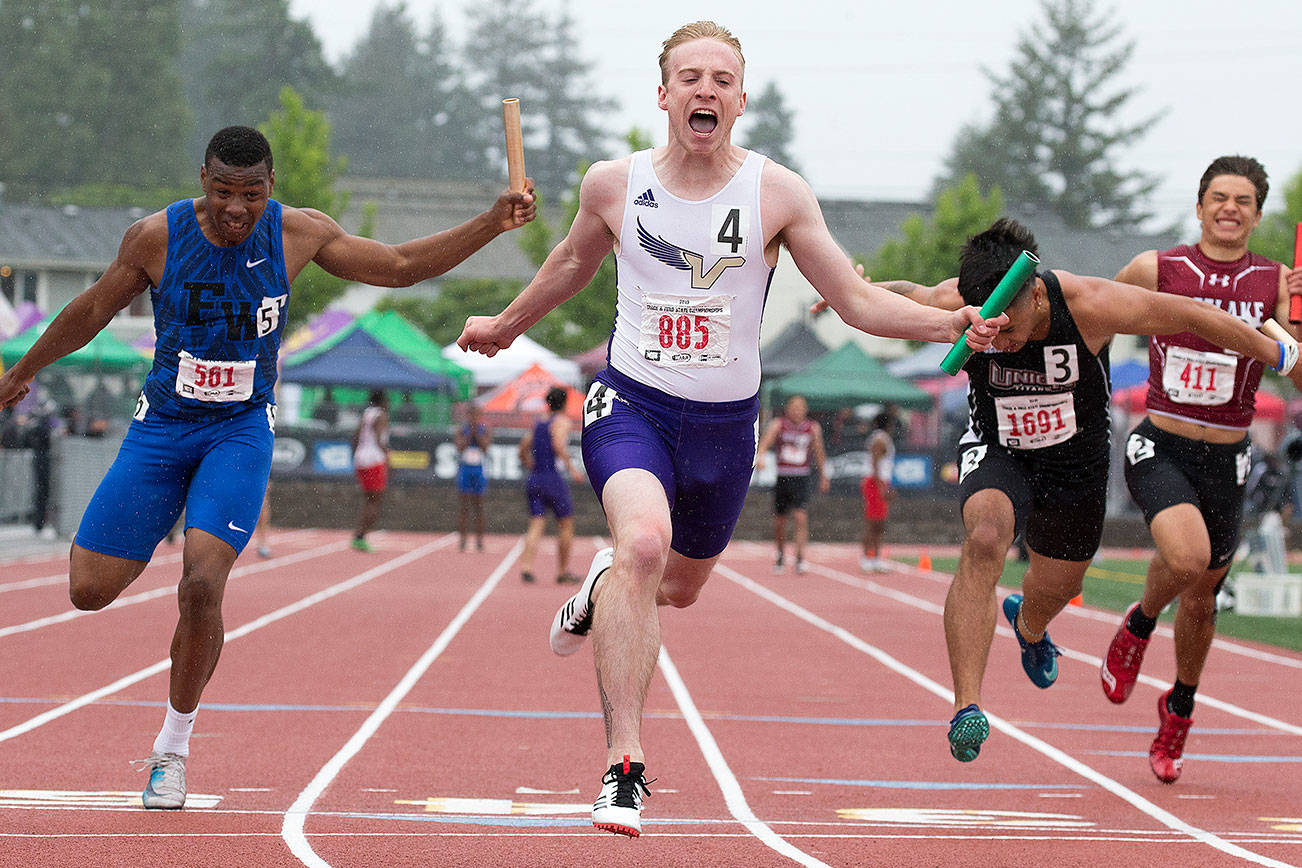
[99, 99]
[113, 102]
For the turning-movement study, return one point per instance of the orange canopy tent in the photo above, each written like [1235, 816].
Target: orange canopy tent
[520, 402]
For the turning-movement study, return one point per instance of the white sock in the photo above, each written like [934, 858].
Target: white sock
[175, 734]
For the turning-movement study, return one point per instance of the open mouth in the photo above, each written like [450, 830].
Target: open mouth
[703, 121]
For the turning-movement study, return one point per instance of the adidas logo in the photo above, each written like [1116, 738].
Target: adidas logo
[647, 199]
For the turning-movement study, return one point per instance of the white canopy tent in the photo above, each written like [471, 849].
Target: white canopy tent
[513, 361]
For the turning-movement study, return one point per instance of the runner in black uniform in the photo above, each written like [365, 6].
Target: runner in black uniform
[1035, 454]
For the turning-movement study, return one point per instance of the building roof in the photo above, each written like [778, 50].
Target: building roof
[72, 236]
[407, 208]
[862, 227]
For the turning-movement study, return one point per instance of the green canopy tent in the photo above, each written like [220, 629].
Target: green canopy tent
[847, 377]
[104, 353]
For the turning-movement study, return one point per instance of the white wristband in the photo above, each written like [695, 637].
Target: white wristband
[1288, 355]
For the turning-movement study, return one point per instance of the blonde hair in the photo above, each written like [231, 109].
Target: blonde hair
[699, 30]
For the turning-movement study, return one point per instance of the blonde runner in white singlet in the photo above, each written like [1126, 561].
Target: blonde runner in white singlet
[692, 284]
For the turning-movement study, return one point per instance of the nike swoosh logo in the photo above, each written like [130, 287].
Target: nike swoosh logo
[232, 526]
[249, 263]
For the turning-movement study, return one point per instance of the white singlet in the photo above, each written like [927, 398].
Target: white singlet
[370, 448]
[692, 284]
[886, 464]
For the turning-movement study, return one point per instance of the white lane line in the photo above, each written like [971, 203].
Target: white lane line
[174, 557]
[146, 596]
[291, 828]
[256, 624]
[1094, 662]
[1159, 814]
[732, 794]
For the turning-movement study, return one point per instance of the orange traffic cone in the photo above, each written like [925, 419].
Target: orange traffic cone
[924, 561]
[1078, 600]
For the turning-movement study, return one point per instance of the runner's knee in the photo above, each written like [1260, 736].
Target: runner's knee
[987, 539]
[88, 596]
[1187, 564]
[679, 596]
[644, 552]
[200, 592]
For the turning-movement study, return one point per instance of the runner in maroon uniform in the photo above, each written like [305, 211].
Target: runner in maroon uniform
[1187, 462]
[799, 443]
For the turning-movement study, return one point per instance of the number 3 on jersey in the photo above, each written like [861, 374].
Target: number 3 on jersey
[729, 229]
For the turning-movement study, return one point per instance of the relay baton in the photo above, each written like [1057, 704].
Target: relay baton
[1295, 301]
[514, 144]
[1004, 293]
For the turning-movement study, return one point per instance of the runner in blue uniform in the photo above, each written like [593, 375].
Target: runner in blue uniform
[218, 269]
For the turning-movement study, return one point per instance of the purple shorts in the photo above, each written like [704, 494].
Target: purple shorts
[548, 491]
[702, 453]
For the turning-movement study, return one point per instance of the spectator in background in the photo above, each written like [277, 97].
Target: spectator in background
[38, 440]
[326, 410]
[100, 405]
[371, 462]
[799, 444]
[406, 413]
[472, 442]
[544, 445]
[264, 525]
[877, 489]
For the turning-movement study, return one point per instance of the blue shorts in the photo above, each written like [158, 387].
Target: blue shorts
[215, 469]
[471, 479]
[702, 453]
[548, 491]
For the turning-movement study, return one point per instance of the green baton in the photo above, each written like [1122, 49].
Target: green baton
[1011, 282]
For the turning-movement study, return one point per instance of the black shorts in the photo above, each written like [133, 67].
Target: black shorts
[1165, 469]
[1058, 506]
[790, 492]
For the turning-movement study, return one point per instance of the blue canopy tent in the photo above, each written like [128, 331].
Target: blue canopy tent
[362, 361]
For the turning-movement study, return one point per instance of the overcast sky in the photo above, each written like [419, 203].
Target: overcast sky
[880, 89]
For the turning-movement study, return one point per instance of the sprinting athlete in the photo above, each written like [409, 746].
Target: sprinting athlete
[1188, 460]
[669, 426]
[1034, 457]
[218, 269]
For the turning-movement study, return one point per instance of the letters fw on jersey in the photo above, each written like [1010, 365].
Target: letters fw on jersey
[692, 282]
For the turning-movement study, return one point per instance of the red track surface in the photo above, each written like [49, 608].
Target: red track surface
[410, 713]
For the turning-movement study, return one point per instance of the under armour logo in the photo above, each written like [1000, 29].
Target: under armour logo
[1219, 280]
[647, 199]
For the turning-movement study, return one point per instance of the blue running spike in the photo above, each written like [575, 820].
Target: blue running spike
[1039, 659]
[967, 732]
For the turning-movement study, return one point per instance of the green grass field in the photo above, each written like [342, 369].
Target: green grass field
[1116, 584]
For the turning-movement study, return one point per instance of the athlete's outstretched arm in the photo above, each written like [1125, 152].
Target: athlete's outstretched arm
[1140, 271]
[862, 305]
[944, 295]
[568, 268]
[87, 314]
[1106, 306]
[312, 235]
